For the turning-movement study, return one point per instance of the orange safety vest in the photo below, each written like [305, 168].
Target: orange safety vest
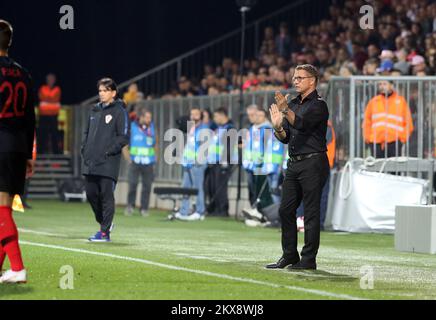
[49, 100]
[331, 147]
[387, 119]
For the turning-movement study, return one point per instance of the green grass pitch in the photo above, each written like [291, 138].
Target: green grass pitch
[152, 258]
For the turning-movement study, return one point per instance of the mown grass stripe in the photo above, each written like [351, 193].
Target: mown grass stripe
[200, 272]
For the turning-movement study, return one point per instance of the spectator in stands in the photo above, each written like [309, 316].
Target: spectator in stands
[401, 29]
[395, 73]
[323, 59]
[299, 58]
[410, 47]
[185, 87]
[224, 86]
[399, 43]
[432, 61]
[208, 69]
[433, 14]
[268, 44]
[373, 51]
[417, 34]
[402, 64]
[387, 122]
[251, 83]
[386, 55]
[227, 68]
[49, 108]
[385, 67]
[263, 79]
[370, 67]
[131, 95]
[282, 63]
[348, 70]
[247, 65]
[429, 43]
[289, 75]
[387, 41]
[310, 57]
[202, 89]
[283, 41]
[213, 91]
[219, 71]
[255, 64]
[333, 51]
[328, 73]
[279, 80]
[359, 55]
[418, 65]
[131, 98]
[342, 58]
[211, 81]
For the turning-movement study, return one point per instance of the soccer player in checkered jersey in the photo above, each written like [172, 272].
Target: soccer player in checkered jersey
[17, 128]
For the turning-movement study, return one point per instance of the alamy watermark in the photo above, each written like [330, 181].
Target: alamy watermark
[367, 20]
[66, 282]
[220, 147]
[67, 20]
[367, 277]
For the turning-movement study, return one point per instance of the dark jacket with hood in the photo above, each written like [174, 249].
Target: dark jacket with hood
[107, 132]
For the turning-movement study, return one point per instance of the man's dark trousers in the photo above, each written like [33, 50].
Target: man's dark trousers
[380, 150]
[146, 172]
[304, 180]
[48, 135]
[220, 176]
[100, 194]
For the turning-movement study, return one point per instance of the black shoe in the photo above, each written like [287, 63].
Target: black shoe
[282, 263]
[303, 265]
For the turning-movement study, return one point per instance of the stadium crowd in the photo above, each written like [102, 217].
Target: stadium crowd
[403, 42]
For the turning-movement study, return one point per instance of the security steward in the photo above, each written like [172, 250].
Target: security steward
[49, 108]
[302, 124]
[387, 123]
[106, 134]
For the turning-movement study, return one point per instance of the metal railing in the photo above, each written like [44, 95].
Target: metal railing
[165, 114]
[162, 78]
[348, 98]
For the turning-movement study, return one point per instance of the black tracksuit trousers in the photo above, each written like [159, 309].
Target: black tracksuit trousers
[100, 194]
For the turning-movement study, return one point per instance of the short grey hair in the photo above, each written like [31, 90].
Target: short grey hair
[310, 69]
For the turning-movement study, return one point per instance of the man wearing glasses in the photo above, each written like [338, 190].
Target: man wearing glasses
[302, 124]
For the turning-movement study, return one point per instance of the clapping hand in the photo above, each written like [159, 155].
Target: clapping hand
[276, 116]
[281, 101]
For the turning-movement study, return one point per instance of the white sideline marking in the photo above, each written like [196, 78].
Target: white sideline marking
[41, 233]
[205, 273]
[201, 257]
